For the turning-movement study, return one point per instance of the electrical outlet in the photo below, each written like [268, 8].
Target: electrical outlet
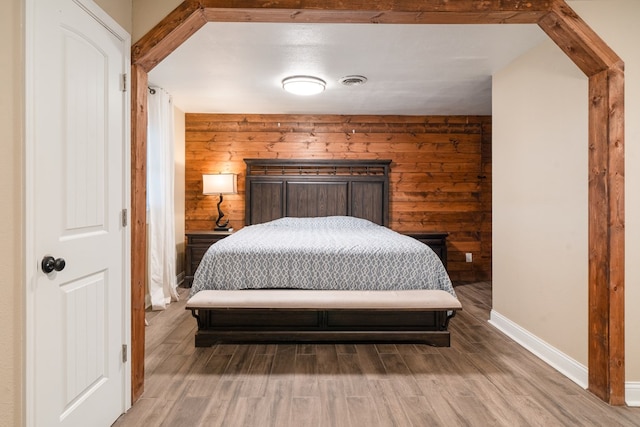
[469, 257]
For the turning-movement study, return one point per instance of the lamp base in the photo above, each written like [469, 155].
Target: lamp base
[220, 225]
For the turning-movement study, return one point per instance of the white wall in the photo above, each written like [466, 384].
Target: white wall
[540, 172]
[11, 212]
[147, 13]
[119, 10]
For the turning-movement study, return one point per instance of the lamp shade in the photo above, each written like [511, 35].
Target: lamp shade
[222, 183]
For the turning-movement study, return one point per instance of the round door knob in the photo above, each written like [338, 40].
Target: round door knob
[50, 264]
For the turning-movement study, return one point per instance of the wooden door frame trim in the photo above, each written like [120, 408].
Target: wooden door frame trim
[580, 43]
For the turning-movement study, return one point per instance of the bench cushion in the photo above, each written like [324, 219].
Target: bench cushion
[325, 299]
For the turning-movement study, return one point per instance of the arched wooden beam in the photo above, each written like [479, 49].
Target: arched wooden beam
[577, 40]
[191, 15]
[605, 71]
[139, 84]
[606, 236]
[170, 33]
[606, 136]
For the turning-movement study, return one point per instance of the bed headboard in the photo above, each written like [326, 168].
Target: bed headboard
[277, 188]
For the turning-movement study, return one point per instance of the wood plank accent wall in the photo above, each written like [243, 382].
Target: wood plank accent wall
[440, 172]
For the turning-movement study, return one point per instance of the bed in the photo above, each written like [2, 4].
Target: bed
[317, 263]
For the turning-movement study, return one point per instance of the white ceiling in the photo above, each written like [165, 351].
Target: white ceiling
[411, 69]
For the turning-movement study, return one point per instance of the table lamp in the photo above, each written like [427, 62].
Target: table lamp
[222, 183]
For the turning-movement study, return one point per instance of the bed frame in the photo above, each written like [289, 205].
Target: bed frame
[307, 188]
[312, 188]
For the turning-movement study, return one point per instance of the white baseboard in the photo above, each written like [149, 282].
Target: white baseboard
[632, 393]
[564, 364]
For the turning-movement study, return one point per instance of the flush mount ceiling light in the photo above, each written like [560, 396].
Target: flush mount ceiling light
[303, 85]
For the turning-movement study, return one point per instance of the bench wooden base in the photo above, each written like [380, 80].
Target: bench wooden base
[296, 320]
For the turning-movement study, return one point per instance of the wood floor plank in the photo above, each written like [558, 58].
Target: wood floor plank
[155, 385]
[306, 349]
[549, 403]
[179, 378]
[500, 374]
[352, 375]
[387, 404]
[215, 413]
[138, 413]
[184, 328]
[255, 384]
[327, 359]
[416, 348]
[186, 346]
[361, 411]
[483, 379]
[236, 413]
[535, 414]
[580, 409]
[305, 411]
[386, 348]
[499, 402]
[205, 382]
[472, 410]
[189, 411]
[157, 357]
[227, 389]
[259, 411]
[420, 413]
[240, 362]
[228, 349]
[397, 370]
[305, 381]
[280, 395]
[623, 415]
[346, 348]
[369, 361]
[162, 323]
[266, 348]
[442, 409]
[153, 413]
[333, 403]
[284, 360]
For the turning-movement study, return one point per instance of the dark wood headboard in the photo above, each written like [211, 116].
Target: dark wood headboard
[277, 188]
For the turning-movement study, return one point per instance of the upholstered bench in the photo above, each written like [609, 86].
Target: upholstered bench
[272, 315]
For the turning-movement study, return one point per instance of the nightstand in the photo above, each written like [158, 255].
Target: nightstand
[436, 241]
[197, 244]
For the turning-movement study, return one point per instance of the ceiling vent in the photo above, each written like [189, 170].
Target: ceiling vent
[353, 80]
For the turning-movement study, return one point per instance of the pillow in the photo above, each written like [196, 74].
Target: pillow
[321, 222]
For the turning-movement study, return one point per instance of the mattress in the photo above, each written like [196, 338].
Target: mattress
[327, 253]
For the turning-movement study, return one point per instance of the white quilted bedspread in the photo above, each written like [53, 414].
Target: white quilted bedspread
[335, 253]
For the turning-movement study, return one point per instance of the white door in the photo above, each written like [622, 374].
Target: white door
[77, 191]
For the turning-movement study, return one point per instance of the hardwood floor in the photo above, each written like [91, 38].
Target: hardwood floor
[483, 379]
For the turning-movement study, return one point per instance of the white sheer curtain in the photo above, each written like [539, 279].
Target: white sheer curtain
[161, 253]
